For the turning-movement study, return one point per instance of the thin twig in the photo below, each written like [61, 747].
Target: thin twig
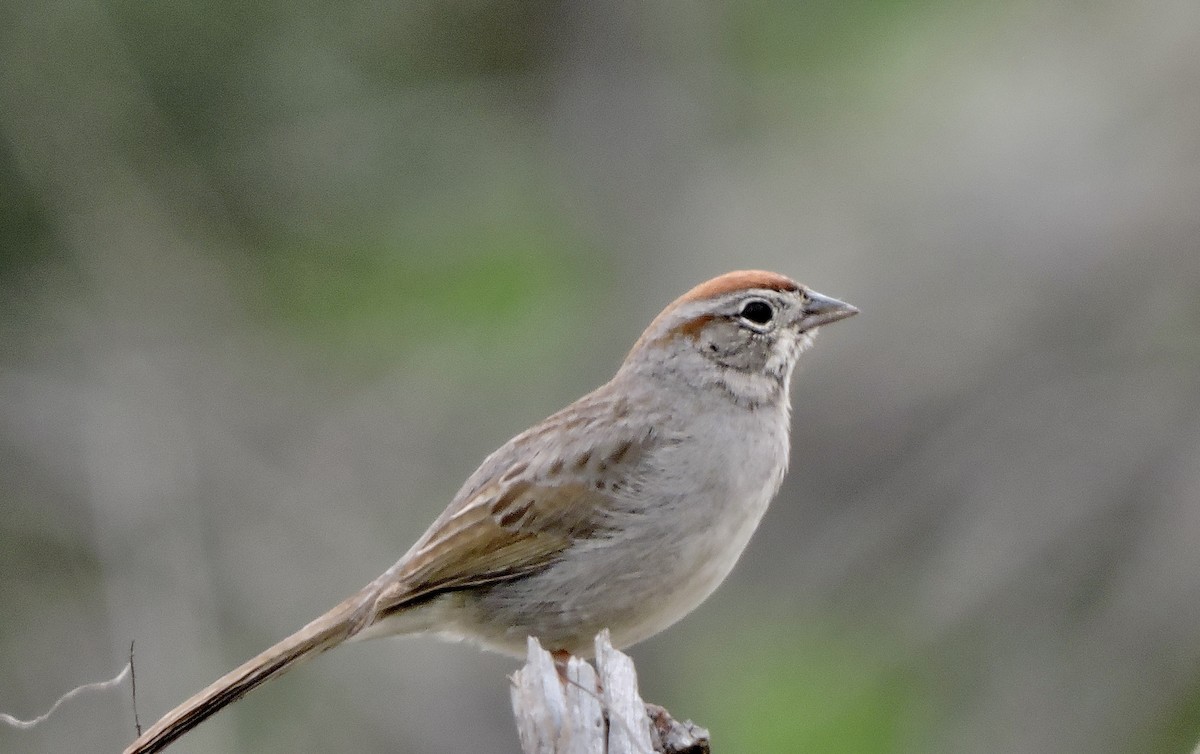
[98, 686]
[133, 690]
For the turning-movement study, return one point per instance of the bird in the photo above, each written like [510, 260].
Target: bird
[625, 510]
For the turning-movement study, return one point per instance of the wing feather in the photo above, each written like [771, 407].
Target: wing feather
[509, 523]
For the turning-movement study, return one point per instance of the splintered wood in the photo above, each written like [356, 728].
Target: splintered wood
[580, 710]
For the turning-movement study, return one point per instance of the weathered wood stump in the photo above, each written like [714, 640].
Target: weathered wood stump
[584, 710]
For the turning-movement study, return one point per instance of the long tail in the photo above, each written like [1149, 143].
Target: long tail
[322, 634]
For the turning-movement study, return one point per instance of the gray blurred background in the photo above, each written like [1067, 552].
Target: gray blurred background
[274, 277]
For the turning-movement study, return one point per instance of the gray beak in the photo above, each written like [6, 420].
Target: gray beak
[821, 310]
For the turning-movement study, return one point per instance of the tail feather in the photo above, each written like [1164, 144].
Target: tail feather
[320, 635]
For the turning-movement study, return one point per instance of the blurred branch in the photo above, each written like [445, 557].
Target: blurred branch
[582, 710]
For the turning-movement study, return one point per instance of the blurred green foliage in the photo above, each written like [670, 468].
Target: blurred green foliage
[1175, 730]
[372, 301]
[770, 38]
[24, 225]
[803, 688]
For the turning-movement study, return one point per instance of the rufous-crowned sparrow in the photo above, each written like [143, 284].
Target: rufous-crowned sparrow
[623, 511]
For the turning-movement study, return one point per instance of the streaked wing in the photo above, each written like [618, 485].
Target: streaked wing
[507, 525]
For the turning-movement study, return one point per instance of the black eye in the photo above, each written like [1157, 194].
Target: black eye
[758, 312]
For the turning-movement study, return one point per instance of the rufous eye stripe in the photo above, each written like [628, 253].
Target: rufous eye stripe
[691, 328]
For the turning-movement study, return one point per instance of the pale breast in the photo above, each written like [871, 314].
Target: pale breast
[733, 484]
[692, 508]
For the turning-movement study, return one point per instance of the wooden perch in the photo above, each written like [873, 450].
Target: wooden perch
[593, 711]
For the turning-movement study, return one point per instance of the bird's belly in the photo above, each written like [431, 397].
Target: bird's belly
[660, 561]
[694, 574]
[633, 589]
